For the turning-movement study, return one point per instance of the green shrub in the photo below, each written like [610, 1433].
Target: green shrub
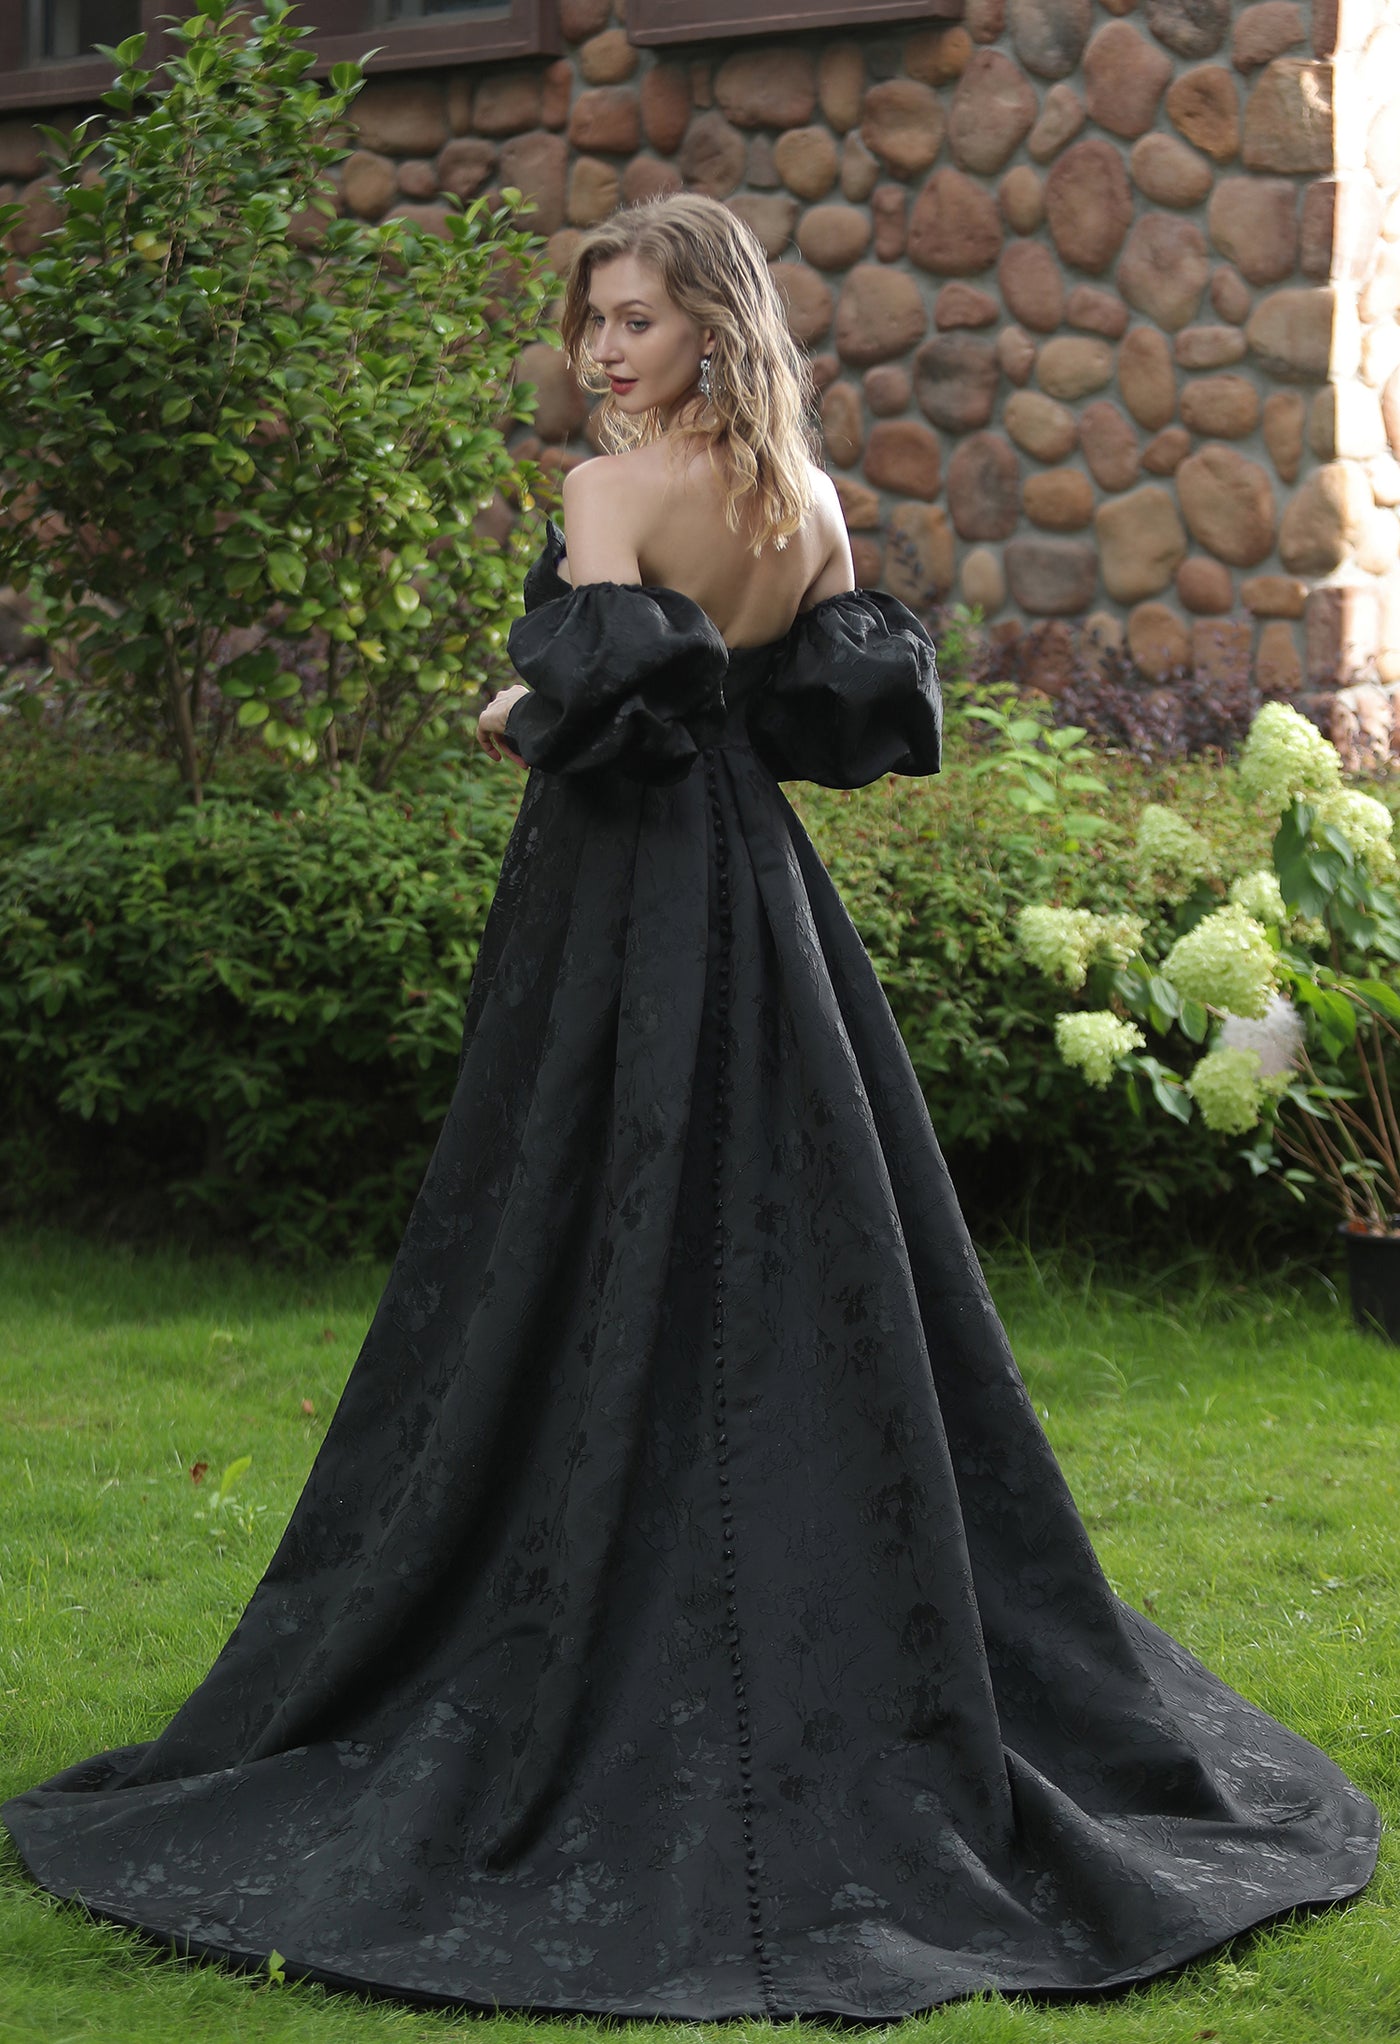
[251, 1011]
[934, 874]
[245, 444]
[260, 1012]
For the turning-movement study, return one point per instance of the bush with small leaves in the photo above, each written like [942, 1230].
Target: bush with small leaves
[247, 1029]
[246, 444]
[248, 1011]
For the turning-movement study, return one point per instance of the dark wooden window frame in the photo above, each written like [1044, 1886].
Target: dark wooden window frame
[515, 28]
[695, 21]
[67, 81]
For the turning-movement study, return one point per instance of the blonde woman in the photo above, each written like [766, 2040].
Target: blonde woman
[684, 1616]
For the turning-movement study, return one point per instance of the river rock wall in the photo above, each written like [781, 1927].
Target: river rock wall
[1101, 296]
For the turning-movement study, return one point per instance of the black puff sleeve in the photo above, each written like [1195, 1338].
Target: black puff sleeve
[854, 695]
[621, 675]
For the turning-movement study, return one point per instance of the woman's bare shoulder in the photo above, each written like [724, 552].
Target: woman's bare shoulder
[629, 485]
[825, 501]
[831, 546]
[607, 476]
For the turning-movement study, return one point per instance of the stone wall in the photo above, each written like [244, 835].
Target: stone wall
[1103, 318]
[1357, 608]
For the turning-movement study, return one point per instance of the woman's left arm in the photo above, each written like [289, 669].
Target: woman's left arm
[491, 724]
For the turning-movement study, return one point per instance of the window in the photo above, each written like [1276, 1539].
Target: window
[46, 53]
[415, 10]
[47, 58]
[677, 21]
[409, 32]
[69, 28]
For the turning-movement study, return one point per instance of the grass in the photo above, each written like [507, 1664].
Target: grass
[1233, 1449]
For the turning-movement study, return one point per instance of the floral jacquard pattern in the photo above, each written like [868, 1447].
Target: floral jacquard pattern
[685, 1616]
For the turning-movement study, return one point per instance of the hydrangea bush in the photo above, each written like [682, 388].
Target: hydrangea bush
[1274, 1007]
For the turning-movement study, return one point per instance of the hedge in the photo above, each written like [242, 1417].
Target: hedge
[245, 1023]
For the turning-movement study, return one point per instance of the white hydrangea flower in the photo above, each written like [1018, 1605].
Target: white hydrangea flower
[1057, 941]
[1061, 942]
[1094, 1042]
[1171, 851]
[1276, 1037]
[1227, 962]
[1225, 1086]
[1260, 896]
[1118, 938]
[1285, 755]
[1365, 823]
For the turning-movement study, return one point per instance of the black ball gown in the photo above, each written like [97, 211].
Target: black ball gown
[685, 1616]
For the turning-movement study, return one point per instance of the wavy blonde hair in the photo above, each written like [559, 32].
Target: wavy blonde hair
[757, 424]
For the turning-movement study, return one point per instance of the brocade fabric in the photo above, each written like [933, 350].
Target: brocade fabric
[685, 1616]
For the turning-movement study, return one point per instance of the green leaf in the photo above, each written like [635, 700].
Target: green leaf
[241, 576]
[1383, 999]
[286, 571]
[1172, 1098]
[1305, 890]
[1167, 1088]
[1338, 842]
[1354, 923]
[1164, 996]
[1336, 1017]
[1195, 1021]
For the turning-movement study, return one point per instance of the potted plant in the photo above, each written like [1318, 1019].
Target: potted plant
[1281, 981]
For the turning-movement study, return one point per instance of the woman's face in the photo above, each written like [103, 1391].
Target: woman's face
[649, 348]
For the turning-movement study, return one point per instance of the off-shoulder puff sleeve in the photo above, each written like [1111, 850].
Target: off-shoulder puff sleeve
[621, 675]
[854, 695]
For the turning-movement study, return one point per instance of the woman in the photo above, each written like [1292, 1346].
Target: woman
[685, 1616]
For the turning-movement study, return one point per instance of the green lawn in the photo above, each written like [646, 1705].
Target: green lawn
[1234, 1451]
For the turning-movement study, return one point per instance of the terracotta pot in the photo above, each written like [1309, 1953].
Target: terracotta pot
[1373, 1274]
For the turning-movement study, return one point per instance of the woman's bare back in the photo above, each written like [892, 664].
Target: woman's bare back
[651, 517]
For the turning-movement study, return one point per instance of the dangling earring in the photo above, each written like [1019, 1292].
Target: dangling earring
[706, 387]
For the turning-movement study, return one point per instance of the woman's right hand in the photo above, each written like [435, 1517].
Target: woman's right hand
[491, 724]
